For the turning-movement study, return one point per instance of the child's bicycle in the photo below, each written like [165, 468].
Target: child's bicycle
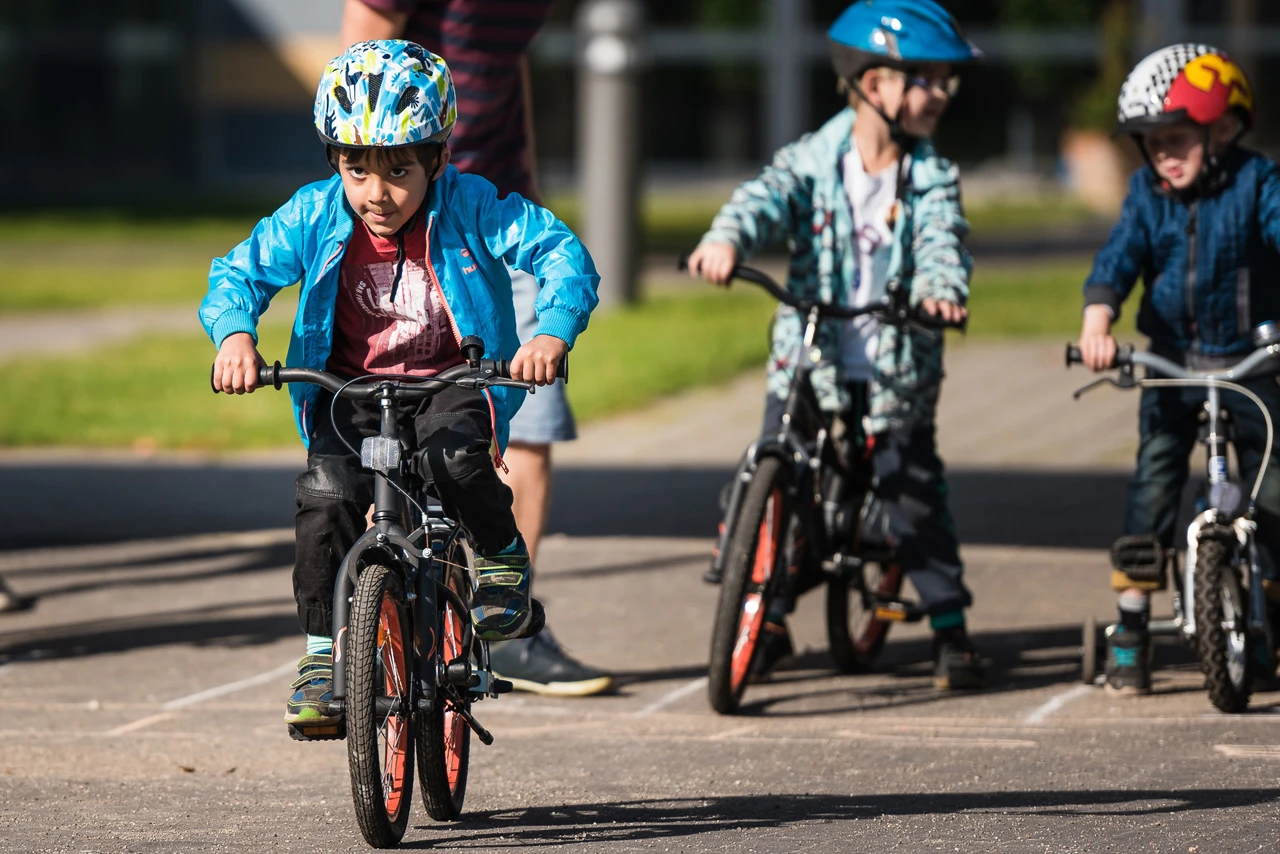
[411, 665]
[1219, 605]
[793, 521]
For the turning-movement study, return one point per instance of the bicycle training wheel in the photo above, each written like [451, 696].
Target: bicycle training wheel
[379, 719]
[1224, 653]
[752, 560]
[854, 633]
[444, 738]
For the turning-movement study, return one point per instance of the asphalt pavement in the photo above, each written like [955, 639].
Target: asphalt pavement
[140, 699]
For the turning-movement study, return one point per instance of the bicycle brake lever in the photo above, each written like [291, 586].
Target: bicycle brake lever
[1120, 384]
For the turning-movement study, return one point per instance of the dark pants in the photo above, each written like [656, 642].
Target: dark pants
[453, 433]
[1168, 424]
[909, 510]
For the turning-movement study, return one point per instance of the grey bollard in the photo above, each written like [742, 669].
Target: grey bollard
[611, 59]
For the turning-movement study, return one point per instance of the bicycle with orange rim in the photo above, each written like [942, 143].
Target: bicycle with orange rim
[793, 519]
[407, 665]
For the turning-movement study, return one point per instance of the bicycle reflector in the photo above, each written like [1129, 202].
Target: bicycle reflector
[380, 454]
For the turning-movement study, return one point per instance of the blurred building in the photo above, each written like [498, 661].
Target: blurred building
[147, 100]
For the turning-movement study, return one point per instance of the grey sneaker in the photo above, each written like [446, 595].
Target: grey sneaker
[312, 690]
[541, 666]
[1128, 661]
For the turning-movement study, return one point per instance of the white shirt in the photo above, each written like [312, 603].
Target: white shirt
[872, 199]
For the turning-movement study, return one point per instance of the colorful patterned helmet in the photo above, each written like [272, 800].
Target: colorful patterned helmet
[897, 34]
[1184, 81]
[385, 93]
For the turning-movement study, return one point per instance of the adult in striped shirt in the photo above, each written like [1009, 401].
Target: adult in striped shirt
[484, 43]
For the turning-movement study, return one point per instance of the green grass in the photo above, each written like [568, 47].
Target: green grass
[91, 260]
[154, 392]
[1030, 301]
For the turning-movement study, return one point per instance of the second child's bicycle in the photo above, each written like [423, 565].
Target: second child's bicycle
[1219, 605]
[407, 667]
[794, 520]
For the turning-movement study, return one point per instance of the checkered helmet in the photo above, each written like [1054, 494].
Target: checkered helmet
[1195, 82]
[385, 93]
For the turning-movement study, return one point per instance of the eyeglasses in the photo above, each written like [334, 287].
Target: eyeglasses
[948, 85]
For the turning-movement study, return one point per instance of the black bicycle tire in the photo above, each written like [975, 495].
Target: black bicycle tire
[844, 651]
[1211, 641]
[443, 801]
[769, 475]
[363, 755]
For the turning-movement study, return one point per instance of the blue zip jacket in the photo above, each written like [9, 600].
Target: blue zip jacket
[1209, 264]
[472, 236]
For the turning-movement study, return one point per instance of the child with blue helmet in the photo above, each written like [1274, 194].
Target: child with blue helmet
[399, 257]
[870, 209]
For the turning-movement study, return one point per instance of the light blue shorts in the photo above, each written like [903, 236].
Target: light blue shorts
[545, 417]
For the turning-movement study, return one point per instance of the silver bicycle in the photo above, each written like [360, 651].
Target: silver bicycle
[1219, 605]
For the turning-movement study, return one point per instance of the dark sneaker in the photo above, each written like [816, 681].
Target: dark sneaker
[500, 607]
[312, 691]
[956, 663]
[1128, 661]
[775, 645]
[541, 666]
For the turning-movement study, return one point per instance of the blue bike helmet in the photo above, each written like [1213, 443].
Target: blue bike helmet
[896, 34]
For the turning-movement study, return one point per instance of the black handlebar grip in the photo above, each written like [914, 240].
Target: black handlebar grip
[269, 375]
[1074, 356]
[682, 263]
[562, 372]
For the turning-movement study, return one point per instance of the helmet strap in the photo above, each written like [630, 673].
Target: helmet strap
[900, 137]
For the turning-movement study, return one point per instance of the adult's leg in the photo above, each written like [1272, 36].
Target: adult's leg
[544, 418]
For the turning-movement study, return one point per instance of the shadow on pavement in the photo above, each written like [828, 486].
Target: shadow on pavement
[202, 626]
[79, 503]
[593, 824]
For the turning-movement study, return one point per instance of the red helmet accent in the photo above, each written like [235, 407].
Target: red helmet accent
[1208, 87]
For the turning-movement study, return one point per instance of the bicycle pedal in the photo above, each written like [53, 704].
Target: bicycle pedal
[318, 732]
[501, 686]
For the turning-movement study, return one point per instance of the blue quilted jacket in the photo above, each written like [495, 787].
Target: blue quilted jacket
[472, 236]
[1209, 266]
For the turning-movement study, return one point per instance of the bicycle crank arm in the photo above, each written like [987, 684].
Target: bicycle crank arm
[481, 733]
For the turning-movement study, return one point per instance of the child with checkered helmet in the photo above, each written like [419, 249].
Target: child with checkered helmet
[1201, 227]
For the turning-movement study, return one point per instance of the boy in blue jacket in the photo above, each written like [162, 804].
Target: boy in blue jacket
[869, 209]
[400, 256]
[1201, 226]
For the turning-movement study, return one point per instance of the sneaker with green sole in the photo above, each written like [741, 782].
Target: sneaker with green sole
[312, 691]
[500, 606]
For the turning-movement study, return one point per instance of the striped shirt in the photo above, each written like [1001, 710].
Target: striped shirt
[483, 42]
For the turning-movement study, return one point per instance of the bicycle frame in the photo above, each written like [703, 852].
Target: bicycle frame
[388, 541]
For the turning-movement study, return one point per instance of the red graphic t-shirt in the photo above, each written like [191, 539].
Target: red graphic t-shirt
[372, 334]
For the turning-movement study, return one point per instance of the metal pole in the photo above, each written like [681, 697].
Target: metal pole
[787, 72]
[1163, 23]
[610, 62]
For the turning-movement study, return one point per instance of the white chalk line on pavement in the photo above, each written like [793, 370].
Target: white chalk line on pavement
[200, 696]
[672, 696]
[1055, 703]
[1249, 751]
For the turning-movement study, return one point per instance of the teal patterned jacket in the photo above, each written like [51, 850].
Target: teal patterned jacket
[800, 199]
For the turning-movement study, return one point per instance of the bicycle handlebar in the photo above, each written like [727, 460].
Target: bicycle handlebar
[827, 309]
[484, 373]
[1127, 356]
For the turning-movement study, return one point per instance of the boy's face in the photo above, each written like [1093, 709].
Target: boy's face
[1176, 152]
[919, 107]
[386, 188]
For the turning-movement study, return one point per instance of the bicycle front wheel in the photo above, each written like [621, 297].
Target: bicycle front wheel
[379, 717]
[1222, 637]
[752, 560]
[444, 738]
